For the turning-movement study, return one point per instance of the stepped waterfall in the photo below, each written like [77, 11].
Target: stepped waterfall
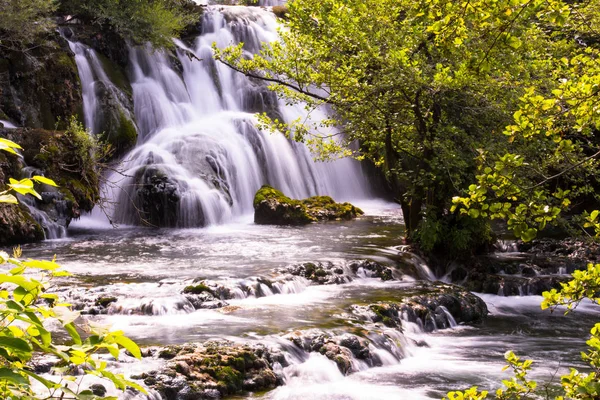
[200, 158]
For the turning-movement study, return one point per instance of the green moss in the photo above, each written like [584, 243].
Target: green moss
[115, 74]
[382, 314]
[197, 289]
[267, 192]
[121, 137]
[229, 380]
[281, 11]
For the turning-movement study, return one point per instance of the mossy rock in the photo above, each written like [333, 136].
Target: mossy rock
[67, 158]
[272, 207]
[43, 89]
[213, 370]
[197, 289]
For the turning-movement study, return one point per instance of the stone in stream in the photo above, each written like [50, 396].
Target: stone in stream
[431, 308]
[342, 350]
[272, 207]
[328, 273]
[214, 370]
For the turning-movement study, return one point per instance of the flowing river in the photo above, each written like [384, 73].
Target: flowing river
[146, 270]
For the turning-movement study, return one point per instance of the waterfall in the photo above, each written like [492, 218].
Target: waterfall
[200, 158]
[104, 104]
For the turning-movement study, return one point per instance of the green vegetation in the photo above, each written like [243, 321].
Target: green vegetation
[24, 24]
[273, 207]
[428, 88]
[25, 305]
[197, 289]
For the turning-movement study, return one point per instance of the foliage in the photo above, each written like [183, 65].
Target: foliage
[141, 21]
[22, 22]
[26, 309]
[420, 85]
[558, 116]
[585, 286]
[24, 186]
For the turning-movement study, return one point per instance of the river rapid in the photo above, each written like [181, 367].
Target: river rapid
[151, 267]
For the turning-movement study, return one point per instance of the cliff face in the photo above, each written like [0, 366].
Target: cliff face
[41, 90]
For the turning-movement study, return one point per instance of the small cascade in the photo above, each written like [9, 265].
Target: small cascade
[200, 158]
[104, 104]
[7, 124]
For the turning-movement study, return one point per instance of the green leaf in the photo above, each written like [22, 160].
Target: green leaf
[70, 327]
[8, 199]
[11, 376]
[48, 384]
[44, 180]
[15, 344]
[129, 345]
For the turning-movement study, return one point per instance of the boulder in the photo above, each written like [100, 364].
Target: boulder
[213, 370]
[434, 306]
[272, 207]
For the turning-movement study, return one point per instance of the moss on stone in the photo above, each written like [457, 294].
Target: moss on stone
[116, 74]
[105, 301]
[197, 289]
[273, 207]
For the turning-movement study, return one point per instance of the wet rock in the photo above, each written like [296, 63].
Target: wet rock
[212, 370]
[41, 87]
[272, 207]
[372, 269]
[65, 157]
[433, 308]
[98, 390]
[340, 349]
[157, 197]
[320, 273]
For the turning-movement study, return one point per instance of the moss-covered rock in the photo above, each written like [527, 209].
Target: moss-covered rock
[43, 88]
[431, 305]
[67, 158]
[272, 207]
[213, 370]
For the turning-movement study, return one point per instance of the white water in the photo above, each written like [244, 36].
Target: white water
[8, 124]
[197, 129]
[94, 81]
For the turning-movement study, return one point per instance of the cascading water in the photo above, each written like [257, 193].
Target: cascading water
[200, 158]
[97, 88]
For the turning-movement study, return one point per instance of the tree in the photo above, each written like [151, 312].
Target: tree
[141, 21]
[560, 117]
[420, 85]
[25, 305]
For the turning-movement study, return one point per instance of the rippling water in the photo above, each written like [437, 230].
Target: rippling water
[141, 266]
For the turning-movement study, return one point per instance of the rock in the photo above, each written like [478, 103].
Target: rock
[272, 207]
[157, 197]
[340, 349]
[98, 390]
[320, 273]
[213, 370]
[65, 157]
[429, 309]
[42, 88]
[372, 269]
